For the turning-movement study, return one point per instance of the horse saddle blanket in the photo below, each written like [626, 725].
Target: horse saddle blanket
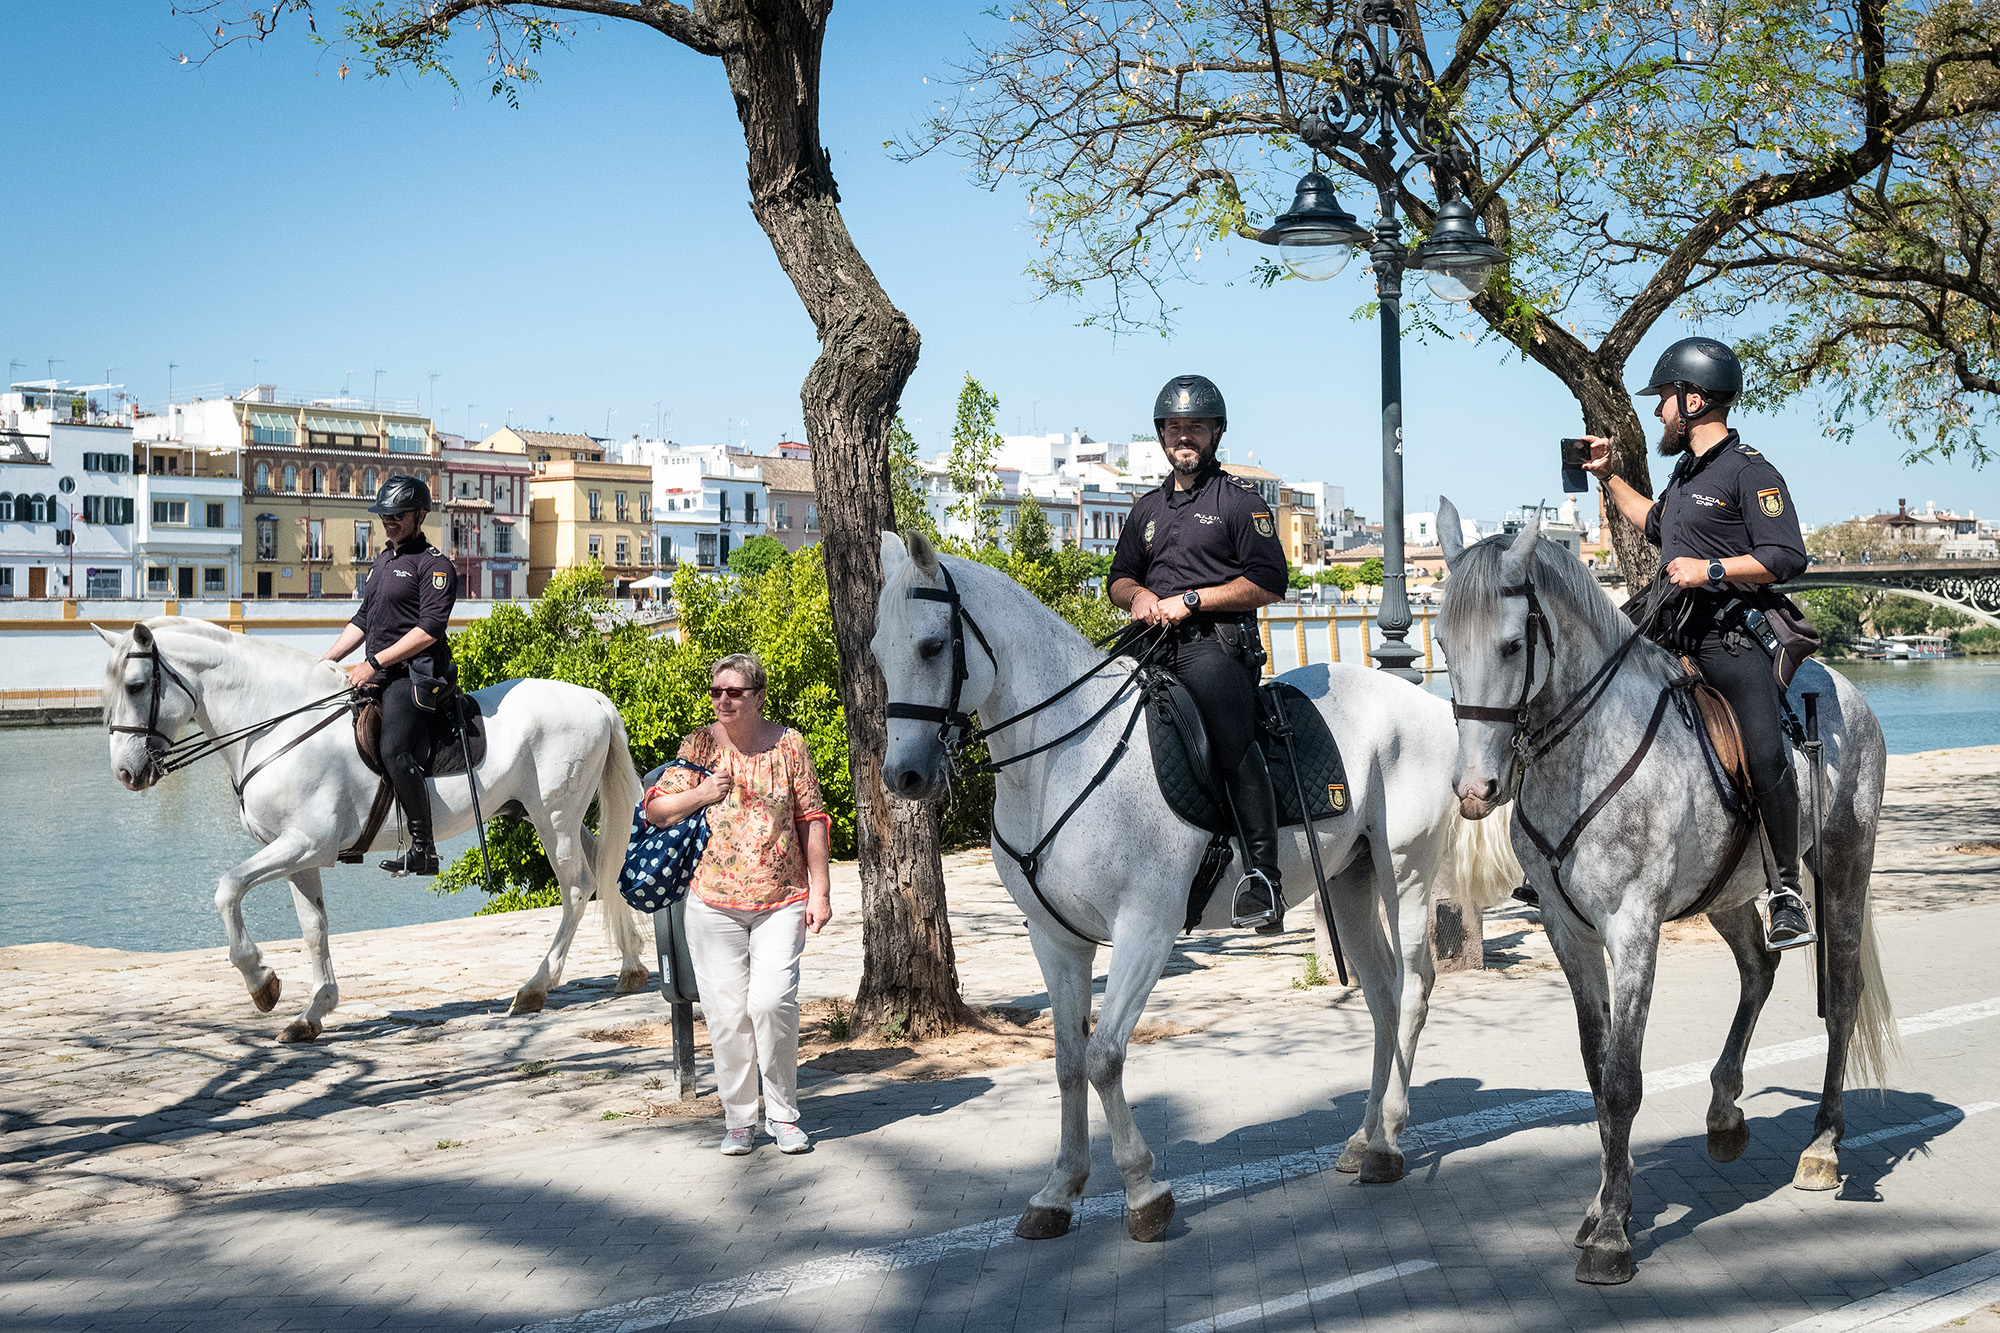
[1289, 730]
[447, 755]
[1714, 722]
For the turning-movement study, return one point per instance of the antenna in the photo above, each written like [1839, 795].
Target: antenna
[375, 399]
[172, 366]
[54, 361]
[434, 393]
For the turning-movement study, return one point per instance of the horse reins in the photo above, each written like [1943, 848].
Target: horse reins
[1532, 744]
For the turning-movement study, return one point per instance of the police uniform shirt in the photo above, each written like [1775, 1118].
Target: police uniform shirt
[412, 586]
[1217, 530]
[1728, 502]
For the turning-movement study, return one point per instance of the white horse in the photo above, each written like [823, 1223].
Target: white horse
[1119, 871]
[550, 748]
[1566, 714]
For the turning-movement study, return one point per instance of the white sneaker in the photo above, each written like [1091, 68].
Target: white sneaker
[790, 1138]
[738, 1142]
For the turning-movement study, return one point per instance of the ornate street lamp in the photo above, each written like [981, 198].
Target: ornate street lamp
[1381, 110]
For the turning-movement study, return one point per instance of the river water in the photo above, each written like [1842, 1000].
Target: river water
[94, 864]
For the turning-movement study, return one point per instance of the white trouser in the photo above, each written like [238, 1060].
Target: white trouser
[746, 965]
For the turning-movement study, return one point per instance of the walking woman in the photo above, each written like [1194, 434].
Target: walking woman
[761, 885]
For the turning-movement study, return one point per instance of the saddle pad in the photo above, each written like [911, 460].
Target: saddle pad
[1721, 743]
[447, 756]
[1181, 761]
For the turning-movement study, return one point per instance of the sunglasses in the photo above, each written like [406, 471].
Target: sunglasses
[732, 691]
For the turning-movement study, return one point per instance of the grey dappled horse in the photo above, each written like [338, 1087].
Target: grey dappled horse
[551, 748]
[1120, 870]
[1649, 853]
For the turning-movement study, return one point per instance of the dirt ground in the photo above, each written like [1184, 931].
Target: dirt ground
[1003, 1037]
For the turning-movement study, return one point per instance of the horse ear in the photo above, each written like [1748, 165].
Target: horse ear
[1451, 533]
[142, 638]
[1515, 564]
[894, 553]
[106, 635]
[924, 554]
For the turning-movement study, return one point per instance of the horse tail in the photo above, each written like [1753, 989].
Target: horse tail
[617, 793]
[1876, 1044]
[1481, 862]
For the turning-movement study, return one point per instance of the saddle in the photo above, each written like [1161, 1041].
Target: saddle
[459, 716]
[1715, 725]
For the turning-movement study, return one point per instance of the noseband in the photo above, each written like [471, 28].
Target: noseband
[954, 723]
[158, 742]
[1522, 741]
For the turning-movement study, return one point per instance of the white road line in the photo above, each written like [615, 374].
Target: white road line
[815, 1274]
[1949, 1294]
[1265, 1309]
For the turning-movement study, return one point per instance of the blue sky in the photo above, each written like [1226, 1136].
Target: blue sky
[591, 258]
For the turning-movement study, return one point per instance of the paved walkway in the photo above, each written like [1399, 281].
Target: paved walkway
[432, 1164]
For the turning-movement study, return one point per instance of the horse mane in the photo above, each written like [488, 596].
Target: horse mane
[220, 639]
[1472, 608]
[970, 574]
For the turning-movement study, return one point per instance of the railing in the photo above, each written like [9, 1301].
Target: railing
[1315, 632]
[30, 700]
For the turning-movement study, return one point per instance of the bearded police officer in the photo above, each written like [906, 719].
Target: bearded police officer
[1726, 529]
[1200, 555]
[404, 612]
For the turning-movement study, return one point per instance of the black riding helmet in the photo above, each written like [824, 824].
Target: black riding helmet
[1702, 364]
[1190, 396]
[400, 494]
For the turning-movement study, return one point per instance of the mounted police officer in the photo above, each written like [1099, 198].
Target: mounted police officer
[1726, 530]
[405, 609]
[1201, 554]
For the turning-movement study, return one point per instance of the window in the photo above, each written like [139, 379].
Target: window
[319, 481]
[749, 506]
[104, 583]
[646, 508]
[368, 486]
[722, 556]
[214, 582]
[705, 549]
[646, 551]
[596, 547]
[184, 581]
[96, 509]
[503, 539]
[6, 580]
[594, 507]
[345, 485]
[722, 498]
[618, 502]
[405, 438]
[267, 541]
[263, 479]
[217, 516]
[270, 428]
[264, 583]
[503, 585]
[666, 550]
[291, 477]
[316, 540]
[464, 489]
[499, 496]
[171, 512]
[362, 534]
[313, 583]
[812, 517]
[624, 549]
[781, 513]
[156, 579]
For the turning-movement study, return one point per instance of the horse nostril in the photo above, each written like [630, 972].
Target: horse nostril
[909, 781]
[1492, 789]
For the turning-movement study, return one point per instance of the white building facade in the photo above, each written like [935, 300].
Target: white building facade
[707, 500]
[68, 498]
[483, 519]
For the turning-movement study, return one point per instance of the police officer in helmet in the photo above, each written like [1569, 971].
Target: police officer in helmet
[1726, 530]
[405, 609]
[1200, 555]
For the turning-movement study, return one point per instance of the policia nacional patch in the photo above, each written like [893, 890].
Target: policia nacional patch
[1263, 525]
[437, 580]
[1772, 502]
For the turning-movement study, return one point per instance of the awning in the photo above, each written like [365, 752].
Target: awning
[339, 425]
[652, 581]
[503, 520]
[272, 421]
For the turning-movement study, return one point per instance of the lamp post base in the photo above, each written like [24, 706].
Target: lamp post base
[1394, 656]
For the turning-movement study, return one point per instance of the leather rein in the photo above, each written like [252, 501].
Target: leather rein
[174, 755]
[1532, 744]
[956, 732]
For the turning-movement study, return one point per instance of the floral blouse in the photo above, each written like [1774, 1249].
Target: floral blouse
[756, 858]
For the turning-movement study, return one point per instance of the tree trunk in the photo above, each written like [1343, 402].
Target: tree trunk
[867, 351]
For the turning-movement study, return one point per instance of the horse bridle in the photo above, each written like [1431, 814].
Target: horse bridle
[1538, 624]
[954, 723]
[158, 743]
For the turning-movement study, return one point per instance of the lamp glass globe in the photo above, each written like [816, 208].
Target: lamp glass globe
[1315, 255]
[1458, 279]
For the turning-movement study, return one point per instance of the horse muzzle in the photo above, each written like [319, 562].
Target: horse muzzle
[910, 782]
[1478, 799]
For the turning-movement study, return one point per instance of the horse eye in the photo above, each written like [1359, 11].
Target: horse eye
[134, 686]
[930, 648]
[1511, 648]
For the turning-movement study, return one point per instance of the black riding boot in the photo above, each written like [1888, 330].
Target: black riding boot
[1258, 900]
[407, 742]
[1778, 805]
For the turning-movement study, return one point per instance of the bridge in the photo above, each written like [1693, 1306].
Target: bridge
[1969, 587]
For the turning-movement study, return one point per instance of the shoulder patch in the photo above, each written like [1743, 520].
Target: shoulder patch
[438, 579]
[1772, 502]
[1262, 522]
[1747, 451]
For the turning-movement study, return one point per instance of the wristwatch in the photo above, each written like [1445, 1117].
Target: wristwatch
[1191, 599]
[1716, 573]
[373, 665]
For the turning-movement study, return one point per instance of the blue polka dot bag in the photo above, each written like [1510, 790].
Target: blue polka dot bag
[660, 861]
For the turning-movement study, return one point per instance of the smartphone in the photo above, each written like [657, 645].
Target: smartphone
[1575, 453]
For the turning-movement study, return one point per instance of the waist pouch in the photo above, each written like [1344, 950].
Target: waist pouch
[433, 689]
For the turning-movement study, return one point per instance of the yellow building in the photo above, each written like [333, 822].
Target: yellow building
[310, 470]
[581, 508]
[1295, 513]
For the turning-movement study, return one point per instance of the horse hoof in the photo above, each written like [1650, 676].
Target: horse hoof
[265, 997]
[1351, 1155]
[633, 980]
[1817, 1173]
[1046, 1223]
[1602, 1266]
[302, 1030]
[528, 1002]
[1381, 1168]
[1147, 1222]
[1726, 1145]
